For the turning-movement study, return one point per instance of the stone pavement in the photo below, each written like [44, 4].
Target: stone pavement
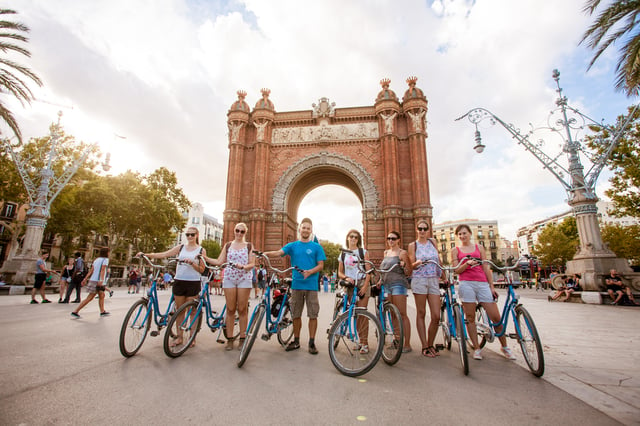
[590, 353]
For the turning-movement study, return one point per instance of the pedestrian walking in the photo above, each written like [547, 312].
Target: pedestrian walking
[77, 276]
[40, 278]
[65, 280]
[95, 283]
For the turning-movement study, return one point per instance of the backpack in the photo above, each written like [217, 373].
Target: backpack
[80, 270]
[261, 274]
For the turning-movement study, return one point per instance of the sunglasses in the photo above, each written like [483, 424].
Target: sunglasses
[392, 238]
[190, 234]
[420, 228]
[353, 236]
[240, 231]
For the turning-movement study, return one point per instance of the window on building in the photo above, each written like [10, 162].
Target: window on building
[195, 220]
[482, 243]
[492, 244]
[491, 233]
[480, 235]
[443, 247]
[453, 245]
[451, 236]
[8, 210]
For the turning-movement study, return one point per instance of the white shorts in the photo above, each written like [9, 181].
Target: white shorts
[425, 285]
[230, 283]
[475, 291]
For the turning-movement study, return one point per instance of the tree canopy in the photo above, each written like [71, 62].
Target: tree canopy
[624, 162]
[617, 23]
[624, 241]
[557, 243]
[12, 74]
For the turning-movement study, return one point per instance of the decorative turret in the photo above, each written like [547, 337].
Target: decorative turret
[265, 102]
[386, 93]
[413, 92]
[240, 104]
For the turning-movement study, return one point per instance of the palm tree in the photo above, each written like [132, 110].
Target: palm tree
[11, 73]
[617, 22]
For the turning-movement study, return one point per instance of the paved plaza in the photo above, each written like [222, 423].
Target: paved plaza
[59, 371]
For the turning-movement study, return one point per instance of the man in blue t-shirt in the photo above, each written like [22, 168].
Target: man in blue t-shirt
[309, 256]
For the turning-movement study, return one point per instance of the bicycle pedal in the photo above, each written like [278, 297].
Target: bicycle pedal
[266, 337]
[513, 335]
[154, 333]
[221, 341]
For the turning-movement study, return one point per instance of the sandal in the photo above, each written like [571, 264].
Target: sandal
[430, 352]
[176, 342]
[241, 342]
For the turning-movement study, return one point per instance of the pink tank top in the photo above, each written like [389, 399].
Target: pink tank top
[475, 273]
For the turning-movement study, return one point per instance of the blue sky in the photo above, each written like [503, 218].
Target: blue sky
[163, 74]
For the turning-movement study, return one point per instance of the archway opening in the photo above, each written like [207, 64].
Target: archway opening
[334, 210]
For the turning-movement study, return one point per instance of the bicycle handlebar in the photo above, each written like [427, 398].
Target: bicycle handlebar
[280, 271]
[153, 265]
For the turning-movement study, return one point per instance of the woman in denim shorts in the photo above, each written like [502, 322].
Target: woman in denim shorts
[425, 287]
[476, 285]
[395, 281]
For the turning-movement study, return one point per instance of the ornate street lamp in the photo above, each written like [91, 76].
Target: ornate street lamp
[593, 259]
[41, 195]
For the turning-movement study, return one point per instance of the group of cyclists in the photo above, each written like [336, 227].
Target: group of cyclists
[415, 270]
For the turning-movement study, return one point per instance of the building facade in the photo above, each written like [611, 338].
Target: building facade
[528, 235]
[208, 226]
[484, 233]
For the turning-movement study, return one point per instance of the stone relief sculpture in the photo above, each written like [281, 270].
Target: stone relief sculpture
[388, 122]
[417, 119]
[234, 128]
[260, 127]
[325, 132]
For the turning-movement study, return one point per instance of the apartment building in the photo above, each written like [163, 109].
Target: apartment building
[485, 233]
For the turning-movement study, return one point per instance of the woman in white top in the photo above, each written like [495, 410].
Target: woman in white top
[348, 270]
[237, 280]
[95, 283]
[186, 284]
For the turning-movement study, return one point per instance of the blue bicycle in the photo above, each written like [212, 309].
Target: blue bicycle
[186, 322]
[452, 321]
[279, 320]
[525, 329]
[138, 319]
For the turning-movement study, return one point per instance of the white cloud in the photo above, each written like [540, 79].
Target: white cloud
[164, 73]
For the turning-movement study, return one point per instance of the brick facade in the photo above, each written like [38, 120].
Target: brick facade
[378, 152]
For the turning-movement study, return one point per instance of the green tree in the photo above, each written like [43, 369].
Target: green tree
[332, 251]
[617, 22]
[624, 241]
[212, 248]
[12, 74]
[624, 162]
[554, 246]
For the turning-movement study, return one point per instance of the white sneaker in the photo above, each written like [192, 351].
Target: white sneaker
[507, 353]
[477, 354]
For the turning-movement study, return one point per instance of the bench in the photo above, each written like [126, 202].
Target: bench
[603, 297]
[26, 289]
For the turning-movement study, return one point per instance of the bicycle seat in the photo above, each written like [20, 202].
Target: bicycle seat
[444, 284]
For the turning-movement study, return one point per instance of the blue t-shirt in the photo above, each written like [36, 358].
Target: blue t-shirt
[305, 256]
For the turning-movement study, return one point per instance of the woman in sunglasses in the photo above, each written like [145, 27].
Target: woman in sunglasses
[395, 282]
[348, 270]
[186, 284]
[237, 281]
[425, 286]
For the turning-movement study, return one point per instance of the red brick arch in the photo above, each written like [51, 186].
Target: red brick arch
[378, 152]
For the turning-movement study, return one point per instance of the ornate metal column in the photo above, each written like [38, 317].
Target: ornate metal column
[41, 195]
[593, 259]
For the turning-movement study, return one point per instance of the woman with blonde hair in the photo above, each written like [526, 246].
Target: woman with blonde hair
[186, 284]
[237, 281]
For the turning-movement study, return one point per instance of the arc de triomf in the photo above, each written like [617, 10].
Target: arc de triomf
[378, 152]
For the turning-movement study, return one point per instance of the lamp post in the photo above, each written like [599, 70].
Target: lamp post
[593, 258]
[41, 193]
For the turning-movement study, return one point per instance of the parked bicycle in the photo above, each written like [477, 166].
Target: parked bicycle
[279, 320]
[525, 329]
[137, 321]
[186, 322]
[452, 321]
[355, 336]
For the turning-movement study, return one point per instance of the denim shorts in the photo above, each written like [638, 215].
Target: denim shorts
[396, 289]
[475, 291]
[425, 285]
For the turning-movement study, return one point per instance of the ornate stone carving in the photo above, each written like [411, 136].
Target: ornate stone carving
[325, 132]
[323, 108]
[260, 126]
[234, 129]
[324, 159]
[388, 122]
[417, 119]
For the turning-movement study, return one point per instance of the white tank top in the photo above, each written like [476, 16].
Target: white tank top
[185, 271]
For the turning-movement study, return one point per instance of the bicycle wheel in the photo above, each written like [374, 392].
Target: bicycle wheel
[393, 333]
[445, 326]
[186, 323]
[135, 327]
[483, 327]
[347, 336]
[252, 332]
[285, 327]
[458, 318]
[529, 341]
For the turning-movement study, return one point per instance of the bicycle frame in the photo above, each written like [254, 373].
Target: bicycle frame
[159, 319]
[271, 325]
